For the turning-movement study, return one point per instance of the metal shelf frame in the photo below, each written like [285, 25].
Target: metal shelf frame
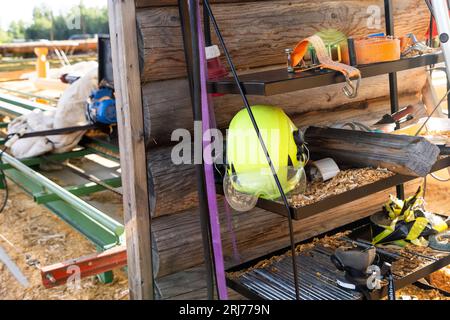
[361, 226]
[268, 83]
[280, 81]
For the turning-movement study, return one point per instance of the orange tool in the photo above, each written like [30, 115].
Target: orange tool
[374, 49]
[325, 62]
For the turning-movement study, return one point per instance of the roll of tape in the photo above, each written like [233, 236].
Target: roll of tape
[324, 169]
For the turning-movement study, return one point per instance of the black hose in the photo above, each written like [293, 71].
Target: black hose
[261, 141]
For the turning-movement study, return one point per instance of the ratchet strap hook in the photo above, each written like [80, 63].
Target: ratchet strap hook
[352, 86]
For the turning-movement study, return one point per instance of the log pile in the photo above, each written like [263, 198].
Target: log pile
[257, 32]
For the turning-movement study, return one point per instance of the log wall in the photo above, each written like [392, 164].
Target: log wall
[257, 32]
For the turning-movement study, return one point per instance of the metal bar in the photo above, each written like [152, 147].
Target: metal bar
[79, 190]
[53, 157]
[81, 173]
[393, 89]
[93, 264]
[13, 110]
[68, 197]
[24, 103]
[13, 268]
[448, 97]
[30, 94]
[206, 27]
[261, 142]
[111, 146]
[190, 46]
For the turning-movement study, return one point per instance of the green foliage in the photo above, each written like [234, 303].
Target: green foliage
[4, 36]
[45, 25]
[17, 30]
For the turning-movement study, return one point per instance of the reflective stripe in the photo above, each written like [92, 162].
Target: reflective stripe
[386, 232]
[419, 225]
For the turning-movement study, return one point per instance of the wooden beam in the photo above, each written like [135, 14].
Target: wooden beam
[122, 25]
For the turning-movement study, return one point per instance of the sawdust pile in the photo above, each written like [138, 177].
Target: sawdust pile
[441, 279]
[344, 181]
[33, 236]
[415, 293]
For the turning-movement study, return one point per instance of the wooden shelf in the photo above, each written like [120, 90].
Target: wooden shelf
[273, 82]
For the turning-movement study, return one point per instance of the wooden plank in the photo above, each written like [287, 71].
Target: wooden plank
[170, 100]
[410, 156]
[258, 232]
[122, 24]
[257, 33]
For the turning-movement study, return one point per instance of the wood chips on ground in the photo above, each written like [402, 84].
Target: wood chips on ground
[33, 236]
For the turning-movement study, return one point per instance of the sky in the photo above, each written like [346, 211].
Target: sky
[22, 9]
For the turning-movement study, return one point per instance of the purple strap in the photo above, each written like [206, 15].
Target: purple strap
[209, 170]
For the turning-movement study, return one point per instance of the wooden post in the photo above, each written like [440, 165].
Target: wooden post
[122, 25]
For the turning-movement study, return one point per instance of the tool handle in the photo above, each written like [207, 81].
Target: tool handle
[402, 113]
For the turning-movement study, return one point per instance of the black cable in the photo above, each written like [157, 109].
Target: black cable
[54, 132]
[261, 141]
[206, 26]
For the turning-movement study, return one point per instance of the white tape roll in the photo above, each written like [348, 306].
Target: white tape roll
[327, 168]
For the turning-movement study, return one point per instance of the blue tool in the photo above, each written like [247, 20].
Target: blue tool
[102, 106]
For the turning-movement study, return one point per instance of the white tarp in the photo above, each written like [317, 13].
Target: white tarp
[69, 112]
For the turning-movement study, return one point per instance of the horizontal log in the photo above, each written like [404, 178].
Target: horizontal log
[257, 33]
[172, 187]
[411, 156]
[188, 284]
[258, 232]
[170, 100]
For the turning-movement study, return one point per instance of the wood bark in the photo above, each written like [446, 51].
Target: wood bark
[411, 156]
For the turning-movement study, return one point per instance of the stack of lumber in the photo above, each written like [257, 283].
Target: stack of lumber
[257, 32]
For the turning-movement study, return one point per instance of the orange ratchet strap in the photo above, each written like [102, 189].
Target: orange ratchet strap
[325, 61]
[375, 49]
